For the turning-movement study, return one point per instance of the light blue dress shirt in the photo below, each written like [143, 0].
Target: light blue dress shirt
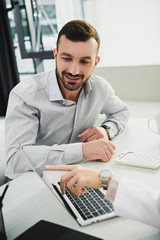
[47, 125]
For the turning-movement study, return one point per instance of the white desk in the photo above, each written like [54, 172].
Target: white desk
[28, 200]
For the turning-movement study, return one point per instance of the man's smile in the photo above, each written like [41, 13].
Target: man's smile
[72, 78]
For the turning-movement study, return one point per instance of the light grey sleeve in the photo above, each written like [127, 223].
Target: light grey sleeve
[116, 110]
[22, 123]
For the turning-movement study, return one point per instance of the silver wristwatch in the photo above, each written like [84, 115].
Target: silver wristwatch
[105, 175]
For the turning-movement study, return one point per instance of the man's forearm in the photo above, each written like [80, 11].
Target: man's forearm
[40, 156]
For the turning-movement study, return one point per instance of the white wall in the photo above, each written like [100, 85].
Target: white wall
[140, 83]
[130, 45]
[129, 30]
[67, 10]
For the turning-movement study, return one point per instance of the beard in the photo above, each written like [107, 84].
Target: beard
[70, 85]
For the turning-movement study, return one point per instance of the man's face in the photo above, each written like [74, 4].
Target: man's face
[75, 62]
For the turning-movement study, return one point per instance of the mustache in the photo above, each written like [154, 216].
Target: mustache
[71, 75]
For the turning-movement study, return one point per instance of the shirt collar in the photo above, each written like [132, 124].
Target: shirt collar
[87, 87]
[55, 92]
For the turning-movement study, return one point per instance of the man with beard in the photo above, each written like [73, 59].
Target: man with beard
[52, 114]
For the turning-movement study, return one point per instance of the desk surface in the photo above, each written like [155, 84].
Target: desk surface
[28, 199]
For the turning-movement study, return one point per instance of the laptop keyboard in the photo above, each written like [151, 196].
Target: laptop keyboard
[91, 204]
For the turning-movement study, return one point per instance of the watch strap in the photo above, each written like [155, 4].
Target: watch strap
[107, 128]
[104, 184]
[105, 179]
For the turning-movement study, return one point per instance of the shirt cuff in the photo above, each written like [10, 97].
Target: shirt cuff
[112, 188]
[73, 153]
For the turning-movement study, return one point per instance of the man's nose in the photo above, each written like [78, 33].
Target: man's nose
[74, 68]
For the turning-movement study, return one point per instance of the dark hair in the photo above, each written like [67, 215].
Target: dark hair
[79, 30]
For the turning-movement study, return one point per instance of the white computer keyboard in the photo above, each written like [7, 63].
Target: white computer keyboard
[139, 160]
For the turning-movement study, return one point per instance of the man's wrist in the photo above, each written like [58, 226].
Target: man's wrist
[105, 175]
[85, 150]
[108, 129]
[112, 187]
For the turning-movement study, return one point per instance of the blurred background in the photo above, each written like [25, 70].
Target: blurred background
[130, 43]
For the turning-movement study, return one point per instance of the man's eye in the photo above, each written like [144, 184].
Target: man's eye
[67, 59]
[84, 62]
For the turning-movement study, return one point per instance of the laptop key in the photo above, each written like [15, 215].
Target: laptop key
[106, 209]
[95, 214]
[101, 212]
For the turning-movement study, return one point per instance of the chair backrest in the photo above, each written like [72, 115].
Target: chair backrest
[2, 150]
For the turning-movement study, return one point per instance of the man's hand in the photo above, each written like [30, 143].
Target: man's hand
[77, 178]
[93, 133]
[101, 149]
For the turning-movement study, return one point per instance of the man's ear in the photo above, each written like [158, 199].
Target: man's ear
[55, 53]
[97, 61]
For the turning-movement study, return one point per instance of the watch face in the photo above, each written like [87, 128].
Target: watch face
[106, 173]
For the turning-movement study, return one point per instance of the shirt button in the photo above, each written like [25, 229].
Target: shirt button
[76, 127]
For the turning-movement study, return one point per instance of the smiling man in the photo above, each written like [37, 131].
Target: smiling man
[75, 62]
[52, 114]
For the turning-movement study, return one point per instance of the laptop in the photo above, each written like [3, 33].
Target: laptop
[88, 208]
